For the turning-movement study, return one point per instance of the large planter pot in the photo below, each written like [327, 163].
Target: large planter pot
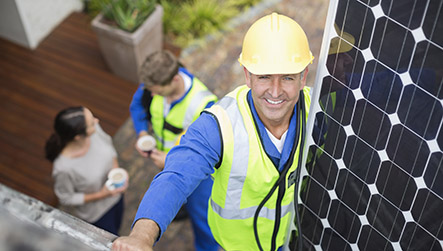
[124, 52]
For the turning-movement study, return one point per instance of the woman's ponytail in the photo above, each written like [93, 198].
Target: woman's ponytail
[68, 123]
[53, 147]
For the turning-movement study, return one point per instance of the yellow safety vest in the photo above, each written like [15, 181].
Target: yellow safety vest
[244, 178]
[168, 129]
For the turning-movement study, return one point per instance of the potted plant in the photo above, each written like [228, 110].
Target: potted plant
[127, 32]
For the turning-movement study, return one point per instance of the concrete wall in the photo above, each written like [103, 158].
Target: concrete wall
[28, 22]
[29, 224]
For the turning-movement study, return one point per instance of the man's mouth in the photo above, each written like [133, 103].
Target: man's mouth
[276, 102]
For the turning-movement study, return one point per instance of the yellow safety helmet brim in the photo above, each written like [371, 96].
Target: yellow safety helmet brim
[275, 44]
[337, 45]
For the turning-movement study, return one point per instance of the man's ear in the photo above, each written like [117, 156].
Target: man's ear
[247, 77]
[304, 77]
[176, 78]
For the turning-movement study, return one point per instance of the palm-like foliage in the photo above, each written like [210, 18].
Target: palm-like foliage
[196, 18]
[184, 21]
[128, 15]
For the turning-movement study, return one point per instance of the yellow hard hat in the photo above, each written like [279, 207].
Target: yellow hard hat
[275, 44]
[337, 46]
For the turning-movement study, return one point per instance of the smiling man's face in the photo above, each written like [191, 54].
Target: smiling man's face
[275, 95]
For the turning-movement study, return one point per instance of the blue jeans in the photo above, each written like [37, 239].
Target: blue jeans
[197, 207]
[112, 219]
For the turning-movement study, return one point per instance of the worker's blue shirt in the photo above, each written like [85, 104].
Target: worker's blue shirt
[138, 111]
[193, 161]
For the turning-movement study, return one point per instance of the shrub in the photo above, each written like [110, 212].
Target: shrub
[184, 21]
[195, 19]
[128, 15]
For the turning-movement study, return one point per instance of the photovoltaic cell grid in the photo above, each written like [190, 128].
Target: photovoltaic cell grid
[374, 166]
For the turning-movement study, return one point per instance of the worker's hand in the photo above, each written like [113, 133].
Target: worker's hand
[142, 237]
[128, 243]
[140, 151]
[159, 158]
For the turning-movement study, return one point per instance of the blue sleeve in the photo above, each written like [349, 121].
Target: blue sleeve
[138, 112]
[186, 166]
[209, 104]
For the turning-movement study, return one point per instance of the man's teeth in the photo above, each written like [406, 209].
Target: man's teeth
[274, 102]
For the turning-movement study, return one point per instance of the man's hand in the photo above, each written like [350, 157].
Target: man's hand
[159, 158]
[128, 243]
[142, 237]
[140, 151]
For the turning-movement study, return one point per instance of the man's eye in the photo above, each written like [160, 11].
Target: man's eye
[288, 78]
[263, 77]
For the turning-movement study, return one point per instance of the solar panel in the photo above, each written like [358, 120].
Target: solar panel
[373, 174]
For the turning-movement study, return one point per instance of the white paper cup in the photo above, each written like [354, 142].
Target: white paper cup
[116, 178]
[146, 143]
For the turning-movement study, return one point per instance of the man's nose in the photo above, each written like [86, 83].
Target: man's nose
[275, 89]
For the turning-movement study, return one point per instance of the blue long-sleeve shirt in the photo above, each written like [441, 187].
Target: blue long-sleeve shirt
[193, 161]
[138, 112]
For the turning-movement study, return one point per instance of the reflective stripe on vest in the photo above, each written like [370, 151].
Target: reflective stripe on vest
[245, 176]
[180, 116]
[245, 213]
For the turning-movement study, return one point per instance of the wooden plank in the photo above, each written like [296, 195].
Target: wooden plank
[24, 183]
[66, 69]
[34, 166]
[77, 85]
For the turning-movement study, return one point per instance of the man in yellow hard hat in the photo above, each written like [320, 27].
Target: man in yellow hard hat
[250, 142]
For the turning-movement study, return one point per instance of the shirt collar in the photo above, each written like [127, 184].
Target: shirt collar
[278, 159]
[188, 79]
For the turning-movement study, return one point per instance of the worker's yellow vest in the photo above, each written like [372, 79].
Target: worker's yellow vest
[244, 178]
[168, 129]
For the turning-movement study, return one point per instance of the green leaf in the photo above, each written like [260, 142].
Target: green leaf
[127, 14]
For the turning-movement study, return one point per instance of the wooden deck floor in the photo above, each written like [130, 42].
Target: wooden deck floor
[66, 69]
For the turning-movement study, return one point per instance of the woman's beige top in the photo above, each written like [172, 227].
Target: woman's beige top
[75, 177]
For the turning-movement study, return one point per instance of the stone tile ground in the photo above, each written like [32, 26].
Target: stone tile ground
[214, 61]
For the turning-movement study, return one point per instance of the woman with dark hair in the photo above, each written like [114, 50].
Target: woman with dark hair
[82, 155]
